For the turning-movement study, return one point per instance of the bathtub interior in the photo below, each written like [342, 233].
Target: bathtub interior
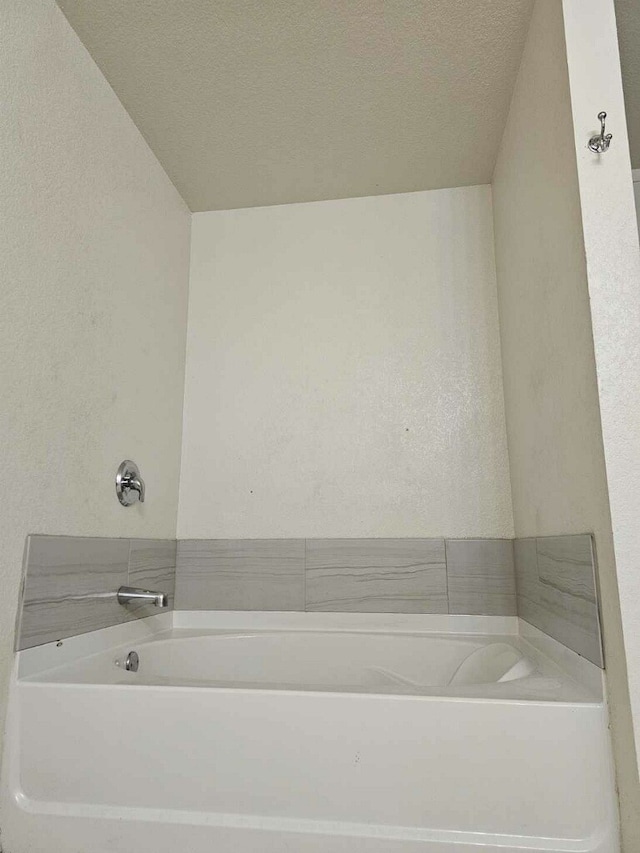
[402, 661]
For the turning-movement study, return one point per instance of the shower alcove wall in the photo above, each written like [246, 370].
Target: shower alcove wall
[430, 371]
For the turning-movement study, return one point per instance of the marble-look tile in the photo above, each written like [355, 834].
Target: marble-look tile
[566, 607]
[557, 591]
[481, 577]
[152, 565]
[376, 575]
[526, 564]
[565, 563]
[70, 587]
[527, 582]
[240, 574]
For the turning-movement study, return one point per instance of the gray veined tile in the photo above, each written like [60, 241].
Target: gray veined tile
[566, 564]
[240, 574]
[70, 587]
[567, 598]
[152, 565]
[376, 575]
[526, 566]
[528, 583]
[481, 577]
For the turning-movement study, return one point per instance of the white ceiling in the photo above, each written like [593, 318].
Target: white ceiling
[255, 102]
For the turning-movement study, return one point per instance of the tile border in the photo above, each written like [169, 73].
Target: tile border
[406, 575]
[69, 583]
[558, 591]
[484, 577]
[240, 574]
[384, 575]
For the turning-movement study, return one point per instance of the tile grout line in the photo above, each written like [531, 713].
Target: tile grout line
[129, 565]
[446, 574]
[304, 585]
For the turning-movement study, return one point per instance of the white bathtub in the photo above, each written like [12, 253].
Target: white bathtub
[307, 732]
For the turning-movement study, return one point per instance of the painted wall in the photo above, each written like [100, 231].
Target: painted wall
[343, 371]
[613, 273]
[558, 475]
[94, 244]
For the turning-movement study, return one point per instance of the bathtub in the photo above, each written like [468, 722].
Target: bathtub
[314, 733]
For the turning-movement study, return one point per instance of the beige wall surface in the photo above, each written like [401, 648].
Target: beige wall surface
[343, 371]
[558, 475]
[94, 245]
[613, 272]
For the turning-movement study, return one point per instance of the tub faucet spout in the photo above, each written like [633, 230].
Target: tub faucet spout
[132, 595]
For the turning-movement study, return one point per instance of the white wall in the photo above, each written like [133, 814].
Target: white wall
[343, 371]
[613, 272]
[558, 475]
[94, 244]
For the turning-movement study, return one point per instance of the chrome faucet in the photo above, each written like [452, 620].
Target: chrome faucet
[132, 595]
[129, 484]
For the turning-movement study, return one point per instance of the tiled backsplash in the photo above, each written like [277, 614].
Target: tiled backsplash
[555, 579]
[240, 574]
[376, 575]
[70, 583]
[481, 577]
[557, 591]
[474, 576]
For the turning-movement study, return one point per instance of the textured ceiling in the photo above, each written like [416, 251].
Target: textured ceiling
[628, 17]
[254, 102]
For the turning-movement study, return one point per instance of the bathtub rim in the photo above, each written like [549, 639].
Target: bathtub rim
[38, 659]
